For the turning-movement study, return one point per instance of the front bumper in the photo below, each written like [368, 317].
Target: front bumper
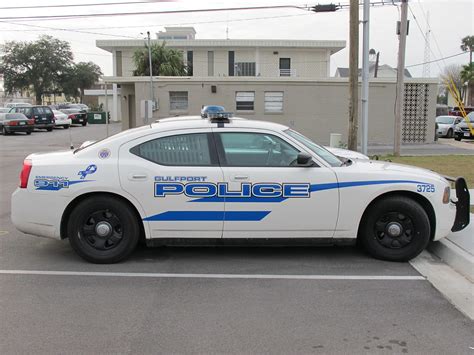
[462, 205]
[463, 134]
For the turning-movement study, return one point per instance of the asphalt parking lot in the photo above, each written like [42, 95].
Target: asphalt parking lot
[208, 300]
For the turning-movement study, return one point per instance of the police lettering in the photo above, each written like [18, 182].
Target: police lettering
[246, 190]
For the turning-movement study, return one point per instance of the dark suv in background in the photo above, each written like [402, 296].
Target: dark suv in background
[42, 115]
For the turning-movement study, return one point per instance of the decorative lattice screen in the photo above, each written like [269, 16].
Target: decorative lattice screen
[415, 113]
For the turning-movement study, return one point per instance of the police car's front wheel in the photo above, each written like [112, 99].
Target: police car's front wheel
[395, 228]
[103, 230]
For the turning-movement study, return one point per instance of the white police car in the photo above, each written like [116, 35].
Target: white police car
[221, 179]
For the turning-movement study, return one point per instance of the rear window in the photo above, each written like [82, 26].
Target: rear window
[15, 116]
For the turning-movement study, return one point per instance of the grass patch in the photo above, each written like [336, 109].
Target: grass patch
[451, 165]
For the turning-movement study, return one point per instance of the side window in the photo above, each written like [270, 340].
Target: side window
[256, 149]
[181, 150]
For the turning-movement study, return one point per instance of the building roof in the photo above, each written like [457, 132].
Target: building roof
[344, 72]
[333, 46]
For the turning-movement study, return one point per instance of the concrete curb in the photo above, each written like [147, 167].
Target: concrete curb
[456, 257]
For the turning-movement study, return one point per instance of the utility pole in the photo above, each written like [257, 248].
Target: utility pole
[402, 39]
[353, 73]
[365, 78]
[152, 94]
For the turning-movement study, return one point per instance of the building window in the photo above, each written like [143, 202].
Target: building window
[189, 63]
[210, 63]
[180, 150]
[244, 100]
[118, 63]
[231, 63]
[178, 100]
[245, 69]
[273, 101]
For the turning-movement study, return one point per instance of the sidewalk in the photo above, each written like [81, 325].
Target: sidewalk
[439, 148]
[457, 250]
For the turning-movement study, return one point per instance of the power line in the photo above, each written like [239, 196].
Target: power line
[67, 30]
[114, 14]
[423, 35]
[82, 5]
[435, 60]
[161, 25]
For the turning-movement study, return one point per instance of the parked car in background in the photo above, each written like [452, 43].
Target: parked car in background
[17, 104]
[61, 119]
[462, 130]
[42, 115]
[76, 116]
[4, 109]
[79, 107]
[16, 122]
[446, 125]
[211, 109]
[455, 111]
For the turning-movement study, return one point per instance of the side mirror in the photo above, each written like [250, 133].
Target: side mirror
[304, 159]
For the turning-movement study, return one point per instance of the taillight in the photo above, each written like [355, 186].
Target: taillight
[12, 123]
[25, 173]
[31, 121]
[72, 117]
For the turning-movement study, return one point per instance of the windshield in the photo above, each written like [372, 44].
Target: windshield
[445, 119]
[324, 154]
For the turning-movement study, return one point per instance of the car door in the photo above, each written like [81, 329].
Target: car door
[169, 173]
[266, 195]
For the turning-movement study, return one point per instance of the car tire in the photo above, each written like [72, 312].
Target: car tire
[450, 133]
[66, 126]
[28, 133]
[395, 228]
[84, 124]
[456, 138]
[115, 217]
[5, 132]
[49, 129]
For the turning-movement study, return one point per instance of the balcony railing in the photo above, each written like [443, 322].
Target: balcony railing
[287, 72]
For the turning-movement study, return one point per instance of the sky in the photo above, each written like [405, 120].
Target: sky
[449, 21]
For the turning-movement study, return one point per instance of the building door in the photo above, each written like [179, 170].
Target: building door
[132, 118]
[285, 67]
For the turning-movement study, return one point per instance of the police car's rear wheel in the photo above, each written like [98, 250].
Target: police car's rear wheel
[103, 230]
[396, 228]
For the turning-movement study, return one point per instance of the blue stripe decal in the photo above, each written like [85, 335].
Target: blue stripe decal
[208, 216]
[313, 188]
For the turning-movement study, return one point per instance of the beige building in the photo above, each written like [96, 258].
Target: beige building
[285, 81]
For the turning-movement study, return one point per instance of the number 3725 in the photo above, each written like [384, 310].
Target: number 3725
[425, 188]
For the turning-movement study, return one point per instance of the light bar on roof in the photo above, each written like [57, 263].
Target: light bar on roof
[219, 115]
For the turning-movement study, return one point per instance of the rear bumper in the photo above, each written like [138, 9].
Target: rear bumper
[462, 205]
[67, 122]
[44, 125]
[26, 128]
[29, 214]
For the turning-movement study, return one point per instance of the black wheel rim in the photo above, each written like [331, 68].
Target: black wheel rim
[394, 230]
[102, 230]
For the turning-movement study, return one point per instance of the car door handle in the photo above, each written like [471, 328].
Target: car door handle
[138, 177]
[240, 177]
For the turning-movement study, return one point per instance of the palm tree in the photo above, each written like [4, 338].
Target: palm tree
[165, 61]
[467, 45]
[467, 76]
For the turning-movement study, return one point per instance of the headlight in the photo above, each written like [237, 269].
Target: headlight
[446, 194]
